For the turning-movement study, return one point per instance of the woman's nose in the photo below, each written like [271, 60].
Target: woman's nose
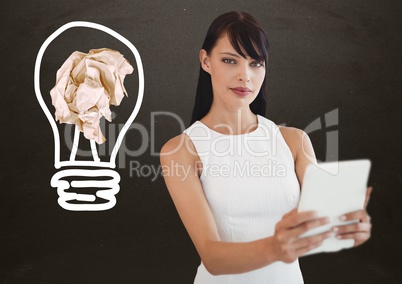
[244, 74]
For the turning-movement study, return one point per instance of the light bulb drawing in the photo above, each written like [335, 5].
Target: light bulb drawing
[108, 187]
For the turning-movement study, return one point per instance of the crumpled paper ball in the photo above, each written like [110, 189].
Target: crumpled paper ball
[86, 86]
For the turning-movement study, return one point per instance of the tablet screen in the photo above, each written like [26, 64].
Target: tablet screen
[333, 189]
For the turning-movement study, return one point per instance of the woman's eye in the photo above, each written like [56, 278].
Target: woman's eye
[257, 64]
[230, 61]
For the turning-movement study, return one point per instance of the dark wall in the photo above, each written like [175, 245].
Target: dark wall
[325, 56]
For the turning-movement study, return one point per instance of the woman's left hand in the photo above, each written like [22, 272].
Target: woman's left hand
[360, 231]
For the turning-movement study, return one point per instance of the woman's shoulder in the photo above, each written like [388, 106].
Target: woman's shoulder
[293, 138]
[291, 132]
[179, 146]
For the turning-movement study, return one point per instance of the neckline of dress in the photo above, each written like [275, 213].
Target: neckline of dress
[243, 134]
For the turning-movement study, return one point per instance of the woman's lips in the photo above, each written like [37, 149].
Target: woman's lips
[240, 91]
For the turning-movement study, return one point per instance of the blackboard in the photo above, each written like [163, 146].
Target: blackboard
[326, 57]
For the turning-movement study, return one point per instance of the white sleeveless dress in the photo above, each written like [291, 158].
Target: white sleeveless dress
[249, 181]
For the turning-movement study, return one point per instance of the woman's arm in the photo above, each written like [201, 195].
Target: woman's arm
[302, 150]
[179, 164]
[303, 154]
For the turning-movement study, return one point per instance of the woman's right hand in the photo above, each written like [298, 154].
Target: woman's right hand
[288, 245]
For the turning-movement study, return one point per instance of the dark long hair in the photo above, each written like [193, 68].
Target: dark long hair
[245, 34]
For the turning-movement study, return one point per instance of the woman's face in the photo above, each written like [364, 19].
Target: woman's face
[236, 81]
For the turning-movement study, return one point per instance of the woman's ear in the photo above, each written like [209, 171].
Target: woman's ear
[204, 60]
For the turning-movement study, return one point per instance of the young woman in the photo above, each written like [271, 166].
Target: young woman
[235, 176]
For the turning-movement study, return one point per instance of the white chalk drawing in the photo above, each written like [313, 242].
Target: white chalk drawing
[107, 188]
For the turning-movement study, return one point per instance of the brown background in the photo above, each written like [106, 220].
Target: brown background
[325, 55]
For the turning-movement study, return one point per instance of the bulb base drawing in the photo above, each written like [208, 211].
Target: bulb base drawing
[78, 182]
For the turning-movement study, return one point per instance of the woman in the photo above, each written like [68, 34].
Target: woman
[235, 176]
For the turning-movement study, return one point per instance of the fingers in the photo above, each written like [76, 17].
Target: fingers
[309, 243]
[360, 231]
[359, 237]
[293, 219]
[287, 241]
[309, 225]
[288, 235]
[290, 251]
[352, 228]
[288, 244]
[360, 215]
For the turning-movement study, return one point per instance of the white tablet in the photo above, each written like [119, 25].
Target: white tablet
[333, 189]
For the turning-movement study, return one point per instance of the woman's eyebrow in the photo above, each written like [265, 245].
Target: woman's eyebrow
[236, 55]
[230, 53]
